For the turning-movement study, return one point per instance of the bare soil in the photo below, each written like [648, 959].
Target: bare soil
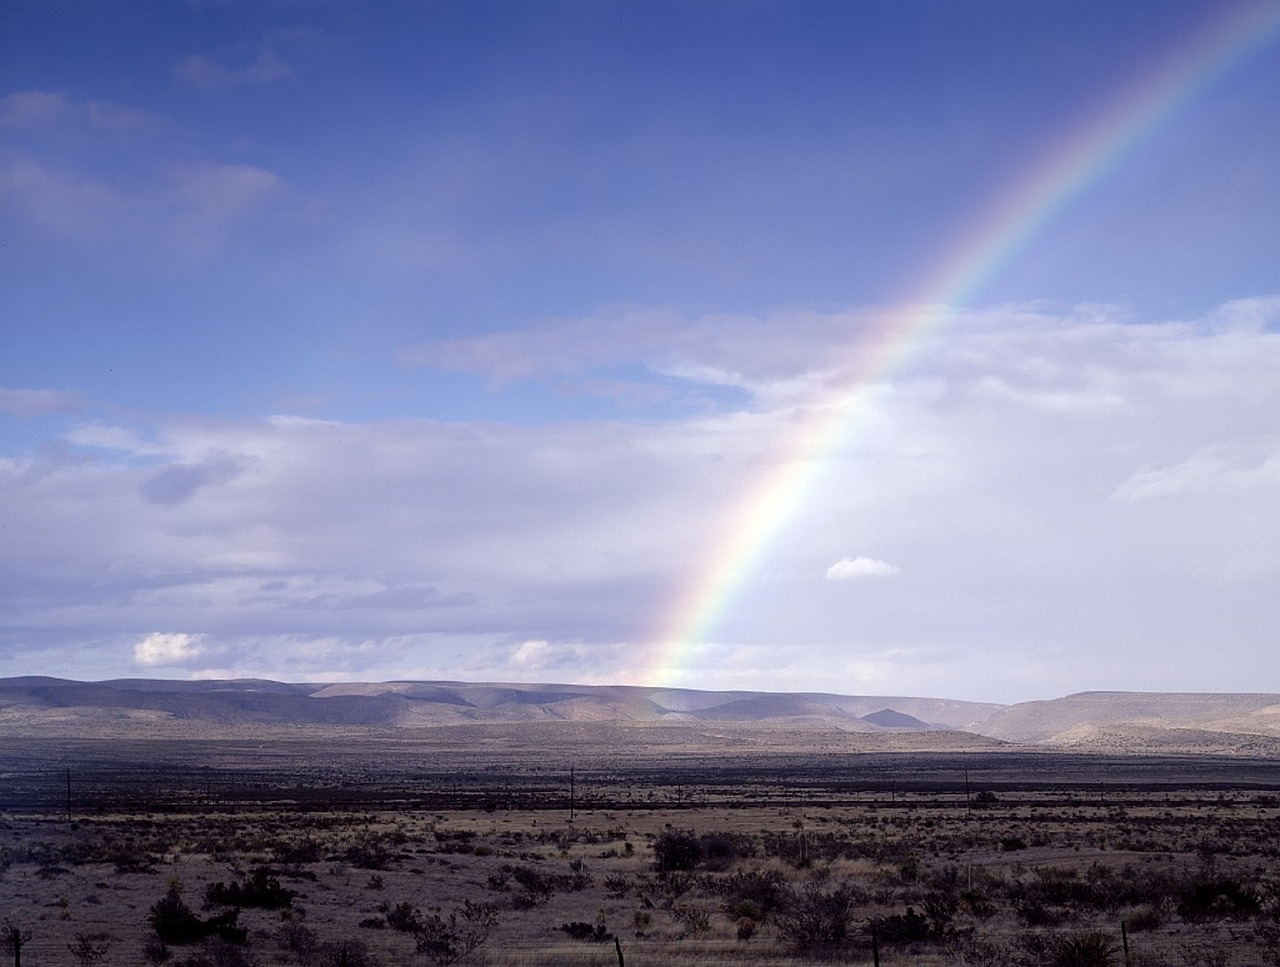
[933, 849]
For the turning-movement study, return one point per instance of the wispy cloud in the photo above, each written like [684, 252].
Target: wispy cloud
[218, 71]
[34, 402]
[33, 108]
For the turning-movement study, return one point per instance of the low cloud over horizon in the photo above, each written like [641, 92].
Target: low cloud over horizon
[1049, 488]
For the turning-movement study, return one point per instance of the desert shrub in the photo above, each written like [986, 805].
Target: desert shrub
[972, 951]
[976, 903]
[1144, 919]
[370, 852]
[305, 850]
[404, 917]
[218, 952]
[155, 951]
[129, 858]
[299, 940]
[940, 908]
[537, 887]
[676, 850]
[89, 949]
[456, 840]
[1034, 912]
[902, 928]
[578, 930]
[694, 919]
[1216, 899]
[814, 916]
[173, 921]
[721, 850]
[260, 890]
[751, 893]
[617, 884]
[447, 940]
[344, 953]
[676, 884]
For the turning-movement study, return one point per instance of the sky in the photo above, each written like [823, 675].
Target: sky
[910, 347]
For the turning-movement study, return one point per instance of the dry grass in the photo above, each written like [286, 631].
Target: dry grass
[1008, 882]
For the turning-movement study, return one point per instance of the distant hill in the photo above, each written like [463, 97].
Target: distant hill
[1246, 724]
[888, 718]
[1070, 718]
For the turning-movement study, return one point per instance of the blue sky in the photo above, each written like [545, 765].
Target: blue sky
[385, 340]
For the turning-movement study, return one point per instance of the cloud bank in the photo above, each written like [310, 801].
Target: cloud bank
[1050, 487]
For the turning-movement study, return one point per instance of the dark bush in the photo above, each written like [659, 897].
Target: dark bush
[578, 930]
[404, 917]
[902, 928]
[752, 893]
[814, 917]
[721, 850]
[173, 921]
[537, 886]
[1218, 899]
[299, 940]
[1145, 919]
[617, 884]
[676, 850]
[260, 890]
[345, 953]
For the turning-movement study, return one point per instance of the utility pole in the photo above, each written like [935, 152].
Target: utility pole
[572, 790]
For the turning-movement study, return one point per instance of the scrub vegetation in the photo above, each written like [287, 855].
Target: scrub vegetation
[898, 859]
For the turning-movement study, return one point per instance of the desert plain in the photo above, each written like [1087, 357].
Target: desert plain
[149, 832]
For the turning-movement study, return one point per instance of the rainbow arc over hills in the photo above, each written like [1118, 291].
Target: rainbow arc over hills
[1079, 161]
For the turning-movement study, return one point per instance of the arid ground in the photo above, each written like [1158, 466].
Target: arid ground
[674, 845]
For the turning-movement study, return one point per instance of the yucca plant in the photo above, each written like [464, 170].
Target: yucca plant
[1092, 949]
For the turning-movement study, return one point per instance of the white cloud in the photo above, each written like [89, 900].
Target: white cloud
[167, 649]
[402, 548]
[532, 654]
[849, 568]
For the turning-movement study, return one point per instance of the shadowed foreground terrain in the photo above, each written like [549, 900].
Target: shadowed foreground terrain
[137, 835]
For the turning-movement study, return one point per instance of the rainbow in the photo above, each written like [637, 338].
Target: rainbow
[1077, 163]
